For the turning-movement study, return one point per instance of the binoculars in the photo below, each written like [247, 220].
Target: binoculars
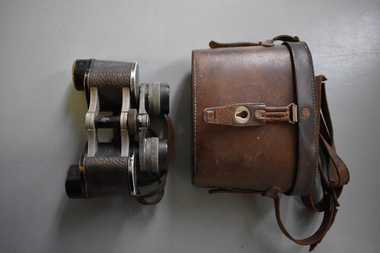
[137, 155]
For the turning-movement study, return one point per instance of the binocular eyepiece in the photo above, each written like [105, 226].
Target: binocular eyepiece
[110, 76]
[136, 155]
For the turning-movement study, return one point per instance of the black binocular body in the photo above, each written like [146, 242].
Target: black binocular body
[136, 156]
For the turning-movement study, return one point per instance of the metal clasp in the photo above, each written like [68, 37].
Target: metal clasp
[293, 117]
[278, 114]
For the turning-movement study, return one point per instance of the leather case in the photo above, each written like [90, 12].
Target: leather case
[261, 125]
[259, 153]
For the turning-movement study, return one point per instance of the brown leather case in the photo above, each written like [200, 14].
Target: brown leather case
[261, 125]
[241, 156]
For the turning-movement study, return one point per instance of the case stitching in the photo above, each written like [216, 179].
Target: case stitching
[195, 118]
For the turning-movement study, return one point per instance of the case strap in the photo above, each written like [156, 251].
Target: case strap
[333, 174]
[316, 238]
[305, 86]
[267, 43]
[336, 172]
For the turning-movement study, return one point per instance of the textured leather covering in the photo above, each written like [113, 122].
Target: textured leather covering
[245, 158]
[109, 77]
[106, 173]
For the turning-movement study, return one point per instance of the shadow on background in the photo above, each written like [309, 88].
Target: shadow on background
[76, 108]
[183, 130]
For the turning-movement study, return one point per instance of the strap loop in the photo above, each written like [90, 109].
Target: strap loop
[267, 43]
[316, 238]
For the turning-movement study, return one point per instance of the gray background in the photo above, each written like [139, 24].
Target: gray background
[42, 131]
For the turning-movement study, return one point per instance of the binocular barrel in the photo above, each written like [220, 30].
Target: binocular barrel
[117, 167]
[110, 76]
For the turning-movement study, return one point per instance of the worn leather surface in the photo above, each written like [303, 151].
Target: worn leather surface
[106, 173]
[333, 174]
[246, 158]
[247, 114]
[308, 122]
[225, 156]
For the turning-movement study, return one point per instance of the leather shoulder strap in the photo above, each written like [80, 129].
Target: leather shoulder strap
[333, 174]
[316, 238]
[304, 80]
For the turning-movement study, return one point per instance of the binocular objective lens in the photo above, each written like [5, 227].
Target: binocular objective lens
[157, 99]
[73, 183]
[156, 154]
[80, 67]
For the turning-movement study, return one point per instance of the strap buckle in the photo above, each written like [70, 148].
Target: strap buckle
[274, 114]
[250, 114]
